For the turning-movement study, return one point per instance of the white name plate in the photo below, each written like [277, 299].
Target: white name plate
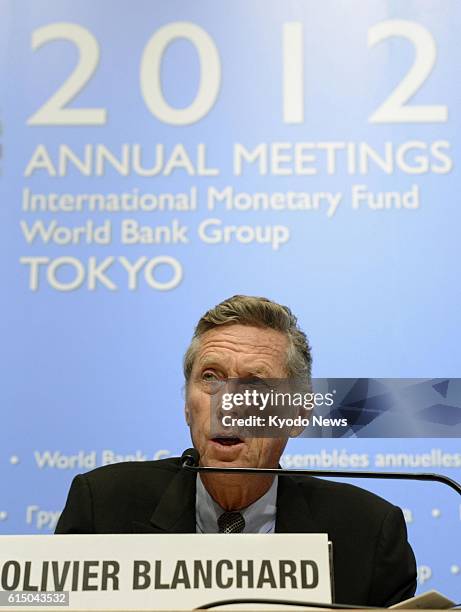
[166, 572]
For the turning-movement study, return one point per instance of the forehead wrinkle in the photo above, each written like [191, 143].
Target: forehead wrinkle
[238, 346]
[232, 355]
[210, 359]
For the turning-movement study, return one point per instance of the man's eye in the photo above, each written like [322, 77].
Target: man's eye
[209, 376]
[211, 382]
[257, 382]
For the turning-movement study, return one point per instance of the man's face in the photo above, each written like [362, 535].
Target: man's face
[233, 351]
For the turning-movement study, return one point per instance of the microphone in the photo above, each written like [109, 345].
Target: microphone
[191, 457]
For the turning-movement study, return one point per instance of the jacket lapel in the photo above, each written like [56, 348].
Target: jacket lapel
[293, 512]
[175, 512]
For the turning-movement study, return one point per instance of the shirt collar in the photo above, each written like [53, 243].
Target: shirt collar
[259, 516]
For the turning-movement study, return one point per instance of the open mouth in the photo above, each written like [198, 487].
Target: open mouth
[227, 441]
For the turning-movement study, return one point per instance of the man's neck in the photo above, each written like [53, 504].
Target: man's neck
[236, 492]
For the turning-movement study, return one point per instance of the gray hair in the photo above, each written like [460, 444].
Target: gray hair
[259, 312]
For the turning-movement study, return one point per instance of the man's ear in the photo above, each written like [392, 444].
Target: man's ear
[297, 430]
[186, 408]
[187, 413]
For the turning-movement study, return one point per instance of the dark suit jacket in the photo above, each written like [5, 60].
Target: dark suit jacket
[373, 562]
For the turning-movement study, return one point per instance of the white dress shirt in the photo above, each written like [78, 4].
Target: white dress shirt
[259, 516]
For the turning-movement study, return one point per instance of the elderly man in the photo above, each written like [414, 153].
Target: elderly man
[249, 337]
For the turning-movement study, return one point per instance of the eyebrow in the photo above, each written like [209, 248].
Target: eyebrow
[209, 360]
[213, 361]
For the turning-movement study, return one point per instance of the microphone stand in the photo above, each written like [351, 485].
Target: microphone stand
[190, 459]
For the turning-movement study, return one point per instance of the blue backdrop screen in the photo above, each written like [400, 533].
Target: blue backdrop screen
[158, 157]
